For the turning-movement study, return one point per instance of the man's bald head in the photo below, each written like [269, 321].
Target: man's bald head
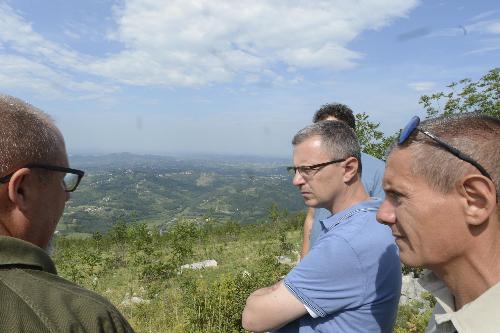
[27, 135]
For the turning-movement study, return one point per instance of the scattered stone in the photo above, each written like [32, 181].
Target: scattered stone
[410, 290]
[200, 265]
[284, 260]
[134, 300]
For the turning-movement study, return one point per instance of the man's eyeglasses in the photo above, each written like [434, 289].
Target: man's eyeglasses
[71, 179]
[310, 170]
[413, 125]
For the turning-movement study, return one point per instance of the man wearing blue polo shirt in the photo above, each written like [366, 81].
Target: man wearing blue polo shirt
[351, 279]
[371, 177]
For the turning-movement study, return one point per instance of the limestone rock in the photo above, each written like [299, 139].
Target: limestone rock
[200, 265]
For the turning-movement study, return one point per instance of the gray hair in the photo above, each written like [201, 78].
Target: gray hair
[338, 138]
[474, 134]
[27, 135]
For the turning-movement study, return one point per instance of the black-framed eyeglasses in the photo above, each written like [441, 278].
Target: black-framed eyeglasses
[310, 170]
[71, 179]
[413, 125]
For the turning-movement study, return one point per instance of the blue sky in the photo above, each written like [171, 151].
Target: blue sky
[227, 77]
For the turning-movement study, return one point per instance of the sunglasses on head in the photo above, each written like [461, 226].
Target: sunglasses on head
[413, 125]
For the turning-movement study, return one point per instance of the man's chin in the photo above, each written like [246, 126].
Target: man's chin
[311, 202]
[410, 259]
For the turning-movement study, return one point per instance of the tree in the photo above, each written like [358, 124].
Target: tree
[466, 96]
[371, 139]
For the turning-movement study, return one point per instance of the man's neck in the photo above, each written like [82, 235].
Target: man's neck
[471, 276]
[352, 195]
[3, 230]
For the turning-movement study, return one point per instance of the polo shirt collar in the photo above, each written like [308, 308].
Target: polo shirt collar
[371, 204]
[480, 315]
[18, 253]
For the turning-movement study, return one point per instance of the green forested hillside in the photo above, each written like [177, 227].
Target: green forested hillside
[161, 190]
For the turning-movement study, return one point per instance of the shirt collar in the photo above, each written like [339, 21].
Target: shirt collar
[371, 204]
[480, 315]
[15, 252]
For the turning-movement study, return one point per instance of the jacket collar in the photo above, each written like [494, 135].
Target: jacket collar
[18, 253]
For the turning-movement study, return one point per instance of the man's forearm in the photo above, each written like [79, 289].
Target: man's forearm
[271, 308]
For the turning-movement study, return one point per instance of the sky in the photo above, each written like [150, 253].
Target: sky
[233, 77]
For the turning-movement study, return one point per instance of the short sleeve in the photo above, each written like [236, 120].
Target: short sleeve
[329, 278]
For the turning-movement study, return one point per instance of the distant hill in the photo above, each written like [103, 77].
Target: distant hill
[126, 160]
[160, 190]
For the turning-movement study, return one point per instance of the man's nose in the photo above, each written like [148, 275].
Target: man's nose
[298, 179]
[386, 213]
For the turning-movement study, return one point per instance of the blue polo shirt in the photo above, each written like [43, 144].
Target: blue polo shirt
[351, 279]
[371, 177]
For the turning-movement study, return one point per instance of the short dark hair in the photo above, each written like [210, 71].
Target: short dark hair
[337, 137]
[340, 111]
[27, 135]
[474, 134]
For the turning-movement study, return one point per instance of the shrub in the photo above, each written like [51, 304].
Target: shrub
[182, 238]
[413, 317]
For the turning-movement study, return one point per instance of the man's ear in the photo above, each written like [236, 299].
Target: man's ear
[479, 194]
[351, 166]
[19, 188]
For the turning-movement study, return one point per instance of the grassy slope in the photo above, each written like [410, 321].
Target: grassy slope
[130, 261]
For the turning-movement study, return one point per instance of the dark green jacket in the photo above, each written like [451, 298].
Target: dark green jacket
[34, 299]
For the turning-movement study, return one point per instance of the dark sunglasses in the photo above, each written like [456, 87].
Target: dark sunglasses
[413, 125]
[71, 179]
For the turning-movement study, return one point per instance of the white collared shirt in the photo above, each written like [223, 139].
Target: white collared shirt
[479, 316]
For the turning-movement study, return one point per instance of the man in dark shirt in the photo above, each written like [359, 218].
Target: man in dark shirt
[35, 182]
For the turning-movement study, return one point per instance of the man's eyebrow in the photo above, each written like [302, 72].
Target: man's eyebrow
[391, 191]
[388, 187]
[395, 190]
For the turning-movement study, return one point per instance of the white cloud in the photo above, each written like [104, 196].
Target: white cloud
[488, 45]
[32, 63]
[483, 50]
[421, 86]
[19, 36]
[25, 74]
[200, 42]
[485, 27]
[483, 15]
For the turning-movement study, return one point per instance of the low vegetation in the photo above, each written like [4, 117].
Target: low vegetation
[139, 270]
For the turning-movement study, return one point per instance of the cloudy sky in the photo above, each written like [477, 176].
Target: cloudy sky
[233, 77]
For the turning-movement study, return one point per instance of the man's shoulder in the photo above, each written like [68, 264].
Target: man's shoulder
[58, 304]
[360, 217]
[360, 232]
